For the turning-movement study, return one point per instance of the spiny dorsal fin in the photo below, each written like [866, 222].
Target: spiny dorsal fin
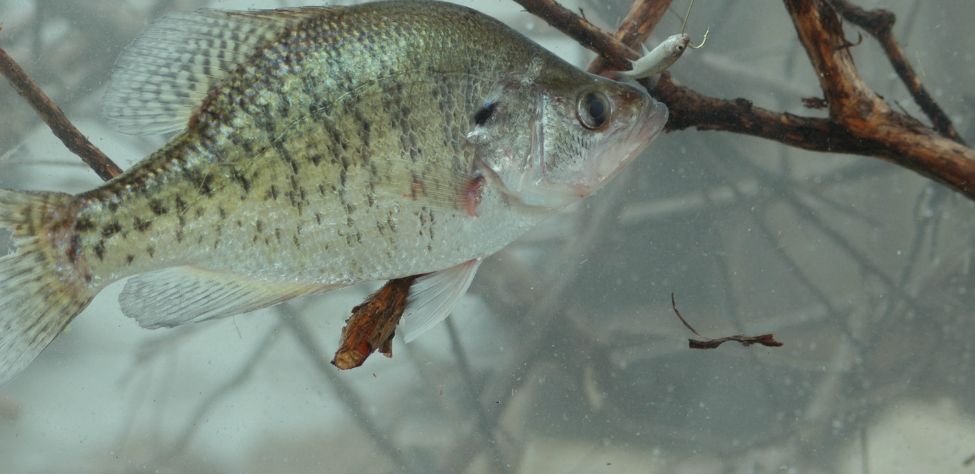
[162, 77]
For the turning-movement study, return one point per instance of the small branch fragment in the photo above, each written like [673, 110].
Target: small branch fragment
[767, 340]
[52, 115]
[373, 324]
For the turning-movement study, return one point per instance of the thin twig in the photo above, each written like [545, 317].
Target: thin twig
[767, 340]
[636, 27]
[224, 389]
[487, 427]
[52, 115]
[345, 393]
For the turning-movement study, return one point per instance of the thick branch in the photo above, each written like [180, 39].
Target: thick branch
[899, 138]
[52, 115]
[880, 24]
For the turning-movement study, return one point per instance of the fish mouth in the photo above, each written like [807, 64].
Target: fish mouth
[626, 147]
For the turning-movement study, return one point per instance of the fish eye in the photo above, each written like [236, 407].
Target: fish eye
[594, 110]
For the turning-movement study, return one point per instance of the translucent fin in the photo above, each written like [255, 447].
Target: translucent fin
[163, 76]
[40, 289]
[434, 296]
[182, 295]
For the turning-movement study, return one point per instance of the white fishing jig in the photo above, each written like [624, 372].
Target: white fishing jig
[665, 54]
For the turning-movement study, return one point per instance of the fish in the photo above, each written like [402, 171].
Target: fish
[314, 148]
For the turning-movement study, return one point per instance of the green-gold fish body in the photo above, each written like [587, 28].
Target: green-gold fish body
[317, 147]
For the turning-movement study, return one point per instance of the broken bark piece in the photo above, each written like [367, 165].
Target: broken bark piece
[767, 340]
[373, 324]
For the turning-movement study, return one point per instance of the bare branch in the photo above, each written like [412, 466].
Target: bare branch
[880, 24]
[52, 115]
[860, 121]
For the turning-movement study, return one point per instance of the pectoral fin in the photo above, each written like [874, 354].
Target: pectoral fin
[182, 295]
[433, 297]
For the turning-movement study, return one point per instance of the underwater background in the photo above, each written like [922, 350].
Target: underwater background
[566, 355]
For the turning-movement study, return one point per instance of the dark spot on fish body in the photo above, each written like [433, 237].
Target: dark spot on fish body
[151, 251]
[179, 236]
[239, 178]
[222, 212]
[111, 229]
[74, 250]
[141, 225]
[199, 212]
[206, 186]
[129, 259]
[295, 241]
[316, 158]
[277, 234]
[260, 226]
[157, 207]
[180, 205]
[272, 193]
[83, 224]
[100, 250]
[199, 240]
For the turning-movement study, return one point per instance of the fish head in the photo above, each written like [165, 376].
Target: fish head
[553, 141]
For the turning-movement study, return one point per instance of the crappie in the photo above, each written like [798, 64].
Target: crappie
[317, 147]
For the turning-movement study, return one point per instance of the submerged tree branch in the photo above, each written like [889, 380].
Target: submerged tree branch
[860, 122]
[880, 24]
[52, 115]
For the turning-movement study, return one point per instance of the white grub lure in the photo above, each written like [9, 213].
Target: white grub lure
[316, 148]
[666, 53]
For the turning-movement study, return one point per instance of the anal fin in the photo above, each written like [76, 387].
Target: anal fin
[181, 295]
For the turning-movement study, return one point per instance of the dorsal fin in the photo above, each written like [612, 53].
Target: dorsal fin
[162, 77]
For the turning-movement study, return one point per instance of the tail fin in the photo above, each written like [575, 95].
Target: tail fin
[41, 289]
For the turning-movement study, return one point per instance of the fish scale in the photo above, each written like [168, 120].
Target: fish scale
[317, 148]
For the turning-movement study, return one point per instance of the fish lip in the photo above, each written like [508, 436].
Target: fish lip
[648, 124]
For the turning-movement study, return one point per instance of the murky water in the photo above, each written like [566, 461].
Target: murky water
[566, 355]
